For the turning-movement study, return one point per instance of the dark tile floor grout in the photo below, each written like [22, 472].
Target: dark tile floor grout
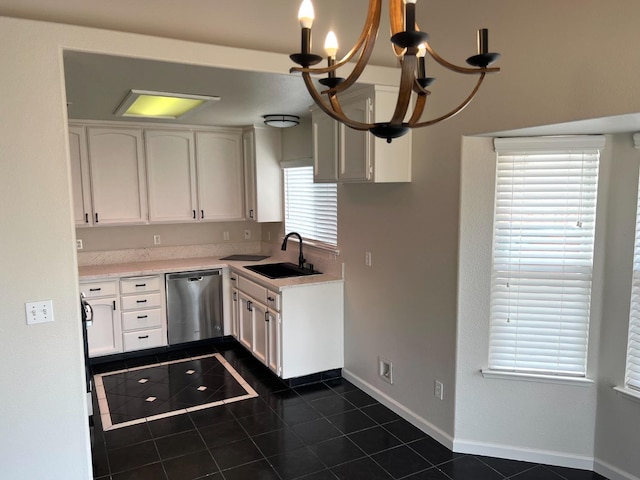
[326, 431]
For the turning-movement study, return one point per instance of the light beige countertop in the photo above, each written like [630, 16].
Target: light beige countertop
[95, 272]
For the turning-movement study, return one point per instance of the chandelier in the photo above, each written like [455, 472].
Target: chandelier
[409, 44]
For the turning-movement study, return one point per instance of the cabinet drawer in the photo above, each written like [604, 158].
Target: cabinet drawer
[143, 339]
[273, 300]
[140, 284]
[142, 319]
[99, 289]
[147, 300]
[252, 289]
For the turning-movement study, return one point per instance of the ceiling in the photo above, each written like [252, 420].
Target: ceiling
[96, 84]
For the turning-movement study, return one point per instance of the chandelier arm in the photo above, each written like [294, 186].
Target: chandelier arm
[396, 23]
[363, 59]
[421, 102]
[373, 18]
[453, 112]
[457, 68]
[409, 63]
[334, 110]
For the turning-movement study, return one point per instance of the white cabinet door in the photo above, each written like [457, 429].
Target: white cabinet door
[262, 149]
[325, 147]
[105, 333]
[274, 342]
[355, 145]
[260, 331]
[235, 306]
[171, 176]
[245, 320]
[219, 172]
[117, 175]
[80, 179]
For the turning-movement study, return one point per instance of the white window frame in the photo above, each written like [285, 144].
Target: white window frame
[323, 241]
[503, 363]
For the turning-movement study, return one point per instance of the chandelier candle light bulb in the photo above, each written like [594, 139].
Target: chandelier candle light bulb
[409, 44]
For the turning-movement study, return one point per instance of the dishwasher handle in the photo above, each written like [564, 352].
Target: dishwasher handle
[193, 276]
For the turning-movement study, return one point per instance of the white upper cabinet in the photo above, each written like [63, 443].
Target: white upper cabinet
[171, 176]
[346, 155]
[136, 175]
[262, 147]
[80, 179]
[116, 158]
[325, 147]
[219, 173]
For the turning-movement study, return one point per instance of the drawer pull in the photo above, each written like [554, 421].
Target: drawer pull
[143, 316]
[95, 289]
[271, 299]
[114, 305]
[141, 285]
[142, 337]
[141, 301]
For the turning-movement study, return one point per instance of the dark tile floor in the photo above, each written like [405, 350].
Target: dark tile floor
[331, 430]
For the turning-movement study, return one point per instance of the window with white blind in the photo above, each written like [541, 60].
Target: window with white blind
[310, 208]
[632, 379]
[544, 225]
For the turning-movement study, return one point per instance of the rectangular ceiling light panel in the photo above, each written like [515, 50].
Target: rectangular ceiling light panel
[143, 103]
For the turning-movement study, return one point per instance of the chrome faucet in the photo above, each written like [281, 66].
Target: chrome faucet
[301, 259]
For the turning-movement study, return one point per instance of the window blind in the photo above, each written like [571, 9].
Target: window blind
[633, 348]
[310, 208]
[544, 225]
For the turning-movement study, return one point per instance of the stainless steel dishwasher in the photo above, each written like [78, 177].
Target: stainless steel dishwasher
[194, 305]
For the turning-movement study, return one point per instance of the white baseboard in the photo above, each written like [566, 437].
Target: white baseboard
[547, 457]
[412, 417]
[612, 473]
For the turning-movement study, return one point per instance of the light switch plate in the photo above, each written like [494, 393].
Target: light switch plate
[39, 312]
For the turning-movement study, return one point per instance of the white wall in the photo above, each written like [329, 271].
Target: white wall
[618, 417]
[43, 401]
[514, 418]
[560, 63]
[553, 423]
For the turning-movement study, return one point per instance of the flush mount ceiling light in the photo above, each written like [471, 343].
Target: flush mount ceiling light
[144, 103]
[410, 46]
[281, 121]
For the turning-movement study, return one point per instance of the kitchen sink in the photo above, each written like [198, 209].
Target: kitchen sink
[281, 270]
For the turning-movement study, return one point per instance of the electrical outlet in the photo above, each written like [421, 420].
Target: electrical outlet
[225, 235]
[438, 390]
[385, 370]
[79, 244]
[367, 259]
[247, 234]
[156, 239]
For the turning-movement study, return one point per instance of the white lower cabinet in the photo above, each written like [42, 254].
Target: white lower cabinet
[143, 317]
[274, 340]
[128, 314]
[245, 321]
[295, 332]
[105, 333]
